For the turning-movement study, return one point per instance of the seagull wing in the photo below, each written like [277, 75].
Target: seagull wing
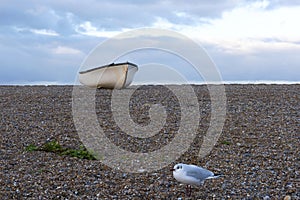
[198, 172]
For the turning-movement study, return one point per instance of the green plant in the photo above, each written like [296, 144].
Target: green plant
[55, 147]
[82, 153]
[31, 147]
[52, 146]
[226, 142]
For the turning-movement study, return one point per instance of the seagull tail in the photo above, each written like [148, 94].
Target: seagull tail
[215, 176]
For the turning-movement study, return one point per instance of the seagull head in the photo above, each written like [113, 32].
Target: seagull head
[177, 168]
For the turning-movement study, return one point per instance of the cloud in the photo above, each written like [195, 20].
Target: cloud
[86, 28]
[244, 29]
[65, 50]
[63, 16]
[247, 38]
[44, 32]
[38, 31]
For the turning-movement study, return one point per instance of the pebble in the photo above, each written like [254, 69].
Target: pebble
[288, 197]
[260, 159]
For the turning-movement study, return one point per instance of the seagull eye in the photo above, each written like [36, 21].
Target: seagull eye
[177, 167]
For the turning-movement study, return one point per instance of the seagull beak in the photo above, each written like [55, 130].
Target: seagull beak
[172, 169]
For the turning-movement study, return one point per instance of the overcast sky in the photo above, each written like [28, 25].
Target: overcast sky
[47, 41]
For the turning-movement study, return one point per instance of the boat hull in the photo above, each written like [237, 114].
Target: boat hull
[113, 76]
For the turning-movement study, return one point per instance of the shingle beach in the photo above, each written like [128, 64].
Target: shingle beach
[258, 149]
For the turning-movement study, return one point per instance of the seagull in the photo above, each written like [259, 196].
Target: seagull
[192, 175]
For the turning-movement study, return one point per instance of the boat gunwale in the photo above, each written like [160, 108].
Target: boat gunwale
[107, 66]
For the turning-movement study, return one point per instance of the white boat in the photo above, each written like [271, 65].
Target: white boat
[112, 76]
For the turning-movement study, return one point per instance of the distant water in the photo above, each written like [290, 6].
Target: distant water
[223, 82]
[24, 83]
[45, 83]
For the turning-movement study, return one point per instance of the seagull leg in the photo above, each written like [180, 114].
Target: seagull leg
[188, 190]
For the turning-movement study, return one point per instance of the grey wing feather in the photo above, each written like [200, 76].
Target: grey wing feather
[199, 172]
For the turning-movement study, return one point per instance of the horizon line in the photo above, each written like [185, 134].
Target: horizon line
[253, 82]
